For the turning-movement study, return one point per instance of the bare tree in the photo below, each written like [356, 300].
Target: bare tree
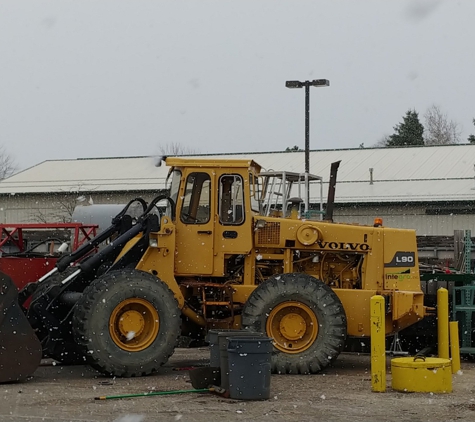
[175, 148]
[59, 207]
[61, 211]
[295, 148]
[439, 130]
[7, 164]
[382, 142]
[471, 138]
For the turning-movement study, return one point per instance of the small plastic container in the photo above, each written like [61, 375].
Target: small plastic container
[205, 377]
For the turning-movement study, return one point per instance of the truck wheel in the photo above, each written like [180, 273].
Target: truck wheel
[127, 323]
[303, 316]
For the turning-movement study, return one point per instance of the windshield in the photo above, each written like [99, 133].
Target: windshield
[174, 189]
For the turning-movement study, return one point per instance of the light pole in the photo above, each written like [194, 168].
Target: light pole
[307, 85]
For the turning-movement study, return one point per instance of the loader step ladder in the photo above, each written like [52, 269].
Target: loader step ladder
[463, 311]
[219, 297]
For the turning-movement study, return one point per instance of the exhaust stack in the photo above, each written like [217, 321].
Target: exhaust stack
[331, 191]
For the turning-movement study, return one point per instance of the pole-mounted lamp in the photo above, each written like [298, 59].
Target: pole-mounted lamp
[307, 85]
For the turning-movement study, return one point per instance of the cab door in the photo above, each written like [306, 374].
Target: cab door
[233, 235]
[194, 235]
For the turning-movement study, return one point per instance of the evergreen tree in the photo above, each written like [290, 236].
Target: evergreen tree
[471, 138]
[409, 132]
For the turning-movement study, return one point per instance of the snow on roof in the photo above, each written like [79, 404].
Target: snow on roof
[413, 174]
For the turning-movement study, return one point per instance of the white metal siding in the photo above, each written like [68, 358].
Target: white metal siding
[54, 208]
[412, 217]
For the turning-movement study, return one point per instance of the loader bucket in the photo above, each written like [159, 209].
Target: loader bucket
[20, 349]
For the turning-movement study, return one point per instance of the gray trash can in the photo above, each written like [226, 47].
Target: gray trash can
[223, 339]
[212, 338]
[249, 367]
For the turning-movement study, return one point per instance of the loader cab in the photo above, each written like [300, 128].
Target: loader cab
[215, 203]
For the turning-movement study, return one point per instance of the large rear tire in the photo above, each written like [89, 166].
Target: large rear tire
[304, 317]
[127, 323]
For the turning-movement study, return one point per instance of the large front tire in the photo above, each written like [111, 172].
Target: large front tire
[304, 317]
[127, 323]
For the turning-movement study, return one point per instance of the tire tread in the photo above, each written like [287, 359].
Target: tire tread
[303, 287]
[85, 310]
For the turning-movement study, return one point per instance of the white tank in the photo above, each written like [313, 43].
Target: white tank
[102, 214]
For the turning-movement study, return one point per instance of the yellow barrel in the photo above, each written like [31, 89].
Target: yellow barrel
[421, 375]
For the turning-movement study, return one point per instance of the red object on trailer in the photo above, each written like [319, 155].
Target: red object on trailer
[24, 267]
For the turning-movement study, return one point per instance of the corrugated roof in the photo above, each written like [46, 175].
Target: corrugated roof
[88, 175]
[435, 173]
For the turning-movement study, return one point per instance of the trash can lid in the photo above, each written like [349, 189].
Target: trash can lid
[420, 362]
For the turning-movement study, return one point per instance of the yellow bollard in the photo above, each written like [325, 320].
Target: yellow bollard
[378, 345]
[443, 322]
[454, 346]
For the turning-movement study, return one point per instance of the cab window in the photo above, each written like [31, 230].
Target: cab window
[255, 192]
[174, 189]
[231, 199]
[196, 202]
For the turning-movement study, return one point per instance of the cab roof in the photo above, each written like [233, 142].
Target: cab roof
[211, 163]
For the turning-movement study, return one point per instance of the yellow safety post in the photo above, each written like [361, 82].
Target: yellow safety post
[454, 346]
[443, 322]
[378, 345]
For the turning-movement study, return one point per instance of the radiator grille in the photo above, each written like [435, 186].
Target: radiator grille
[269, 235]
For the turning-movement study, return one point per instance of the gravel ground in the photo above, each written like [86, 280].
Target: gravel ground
[341, 393]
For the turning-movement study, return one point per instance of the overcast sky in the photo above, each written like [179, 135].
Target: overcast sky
[120, 78]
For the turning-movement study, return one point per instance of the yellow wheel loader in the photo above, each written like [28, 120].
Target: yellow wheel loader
[228, 246]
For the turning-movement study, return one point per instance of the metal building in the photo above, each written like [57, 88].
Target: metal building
[430, 189]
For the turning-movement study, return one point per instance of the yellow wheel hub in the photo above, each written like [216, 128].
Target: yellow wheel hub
[293, 326]
[134, 324]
